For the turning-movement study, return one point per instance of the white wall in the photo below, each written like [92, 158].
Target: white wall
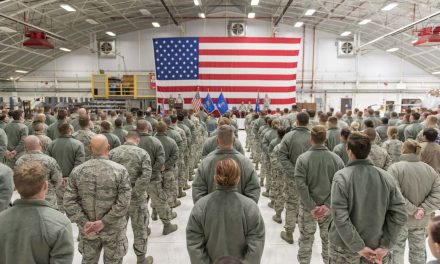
[334, 77]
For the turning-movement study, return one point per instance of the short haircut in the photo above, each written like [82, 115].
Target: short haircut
[139, 113]
[338, 115]
[227, 172]
[84, 121]
[333, 121]
[2, 117]
[281, 132]
[359, 144]
[167, 120]
[370, 111]
[430, 134]
[29, 178]
[16, 114]
[392, 132]
[106, 126]
[368, 123]
[148, 113]
[416, 116]
[394, 114]
[360, 114]
[303, 119]
[345, 133]
[133, 134]
[225, 135]
[180, 116]
[161, 127]
[311, 113]
[118, 122]
[323, 118]
[286, 110]
[38, 126]
[384, 120]
[61, 114]
[64, 128]
[371, 133]
[434, 230]
[142, 125]
[318, 134]
[173, 119]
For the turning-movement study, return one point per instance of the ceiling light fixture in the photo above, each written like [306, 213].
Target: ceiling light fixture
[65, 49]
[7, 30]
[255, 2]
[92, 21]
[145, 12]
[435, 73]
[299, 24]
[196, 2]
[202, 15]
[21, 71]
[110, 33]
[310, 12]
[155, 24]
[392, 49]
[365, 21]
[251, 15]
[414, 41]
[345, 33]
[389, 6]
[68, 8]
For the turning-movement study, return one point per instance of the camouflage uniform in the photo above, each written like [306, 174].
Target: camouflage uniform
[412, 130]
[155, 188]
[211, 145]
[180, 173]
[54, 175]
[393, 148]
[121, 134]
[171, 157]
[100, 189]
[270, 135]
[257, 144]
[247, 125]
[153, 122]
[3, 145]
[50, 119]
[112, 139]
[278, 179]
[138, 164]
[380, 157]
[84, 136]
[341, 255]
[264, 157]
[192, 158]
[187, 155]
[45, 140]
[16, 132]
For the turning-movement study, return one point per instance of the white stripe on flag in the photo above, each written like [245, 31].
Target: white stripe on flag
[232, 70]
[248, 46]
[227, 58]
[201, 83]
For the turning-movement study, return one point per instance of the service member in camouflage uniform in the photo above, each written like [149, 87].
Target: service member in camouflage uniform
[341, 148]
[211, 143]
[171, 156]
[151, 120]
[102, 182]
[138, 164]
[6, 186]
[270, 134]
[257, 144]
[50, 119]
[34, 152]
[247, 126]
[120, 132]
[16, 132]
[69, 153]
[189, 138]
[333, 133]
[314, 171]
[3, 145]
[294, 143]
[278, 177]
[378, 155]
[183, 170]
[155, 189]
[194, 147]
[84, 135]
[414, 128]
[393, 146]
[52, 130]
[112, 139]
[176, 134]
[41, 135]
[264, 158]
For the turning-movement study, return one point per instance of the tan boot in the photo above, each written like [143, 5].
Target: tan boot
[277, 218]
[287, 236]
[168, 228]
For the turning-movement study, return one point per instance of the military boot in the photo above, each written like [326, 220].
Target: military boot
[287, 236]
[168, 228]
[154, 215]
[270, 204]
[181, 193]
[144, 260]
[177, 203]
[277, 218]
[266, 193]
[187, 187]
[173, 215]
[256, 165]
[148, 231]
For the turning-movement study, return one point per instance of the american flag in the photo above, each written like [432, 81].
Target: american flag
[196, 102]
[240, 67]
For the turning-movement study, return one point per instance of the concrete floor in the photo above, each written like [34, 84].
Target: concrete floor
[171, 249]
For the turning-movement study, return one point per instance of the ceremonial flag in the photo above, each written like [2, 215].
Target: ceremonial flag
[222, 105]
[196, 102]
[208, 104]
[236, 66]
[257, 103]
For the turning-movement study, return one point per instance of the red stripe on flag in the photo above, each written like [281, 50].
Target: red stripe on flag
[284, 101]
[261, 77]
[250, 52]
[242, 89]
[209, 64]
[249, 40]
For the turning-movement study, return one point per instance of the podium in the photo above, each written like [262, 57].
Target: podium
[179, 107]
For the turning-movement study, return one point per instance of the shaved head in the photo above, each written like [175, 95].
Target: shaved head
[40, 118]
[99, 145]
[32, 143]
[82, 112]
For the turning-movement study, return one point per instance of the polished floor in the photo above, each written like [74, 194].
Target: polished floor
[171, 249]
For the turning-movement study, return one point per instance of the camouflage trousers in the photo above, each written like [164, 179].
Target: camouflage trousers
[182, 172]
[417, 248]
[192, 158]
[115, 248]
[338, 255]
[292, 204]
[51, 198]
[256, 153]
[139, 215]
[277, 194]
[307, 229]
[265, 167]
[159, 201]
[60, 194]
[170, 186]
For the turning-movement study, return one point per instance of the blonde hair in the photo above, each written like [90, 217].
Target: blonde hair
[392, 132]
[411, 147]
[355, 126]
[227, 173]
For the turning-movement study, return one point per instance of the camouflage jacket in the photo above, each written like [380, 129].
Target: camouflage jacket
[380, 157]
[84, 136]
[45, 140]
[121, 134]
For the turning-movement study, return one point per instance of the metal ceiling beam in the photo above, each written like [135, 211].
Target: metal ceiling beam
[169, 12]
[282, 13]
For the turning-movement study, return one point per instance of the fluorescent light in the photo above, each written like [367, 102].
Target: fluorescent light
[310, 12]
[251, 15]
[68, 8]
[345, 33]
[65, 49]
[365, 21]
[299, 24]
[196, 2]
[110, 33]
[92, 21]
[435, 73]
[145, 12]
[7, 30]
[392, 49]
[155, 24]
[389, 6]
[202, 15]
[21, 71]
[414, 41]
[254, 2]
